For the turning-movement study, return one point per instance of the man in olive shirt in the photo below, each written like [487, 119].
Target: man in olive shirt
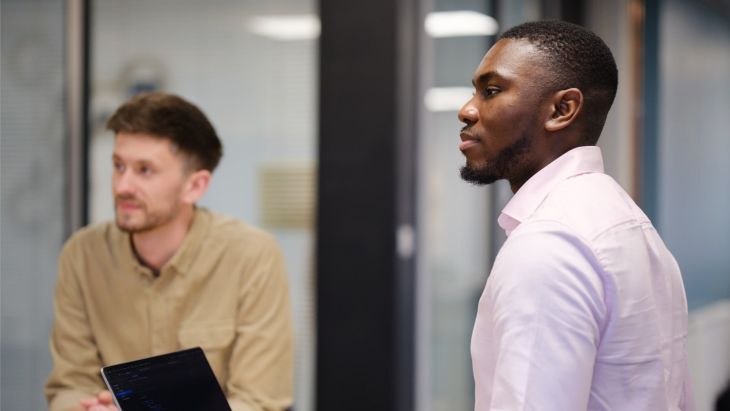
[167, 275]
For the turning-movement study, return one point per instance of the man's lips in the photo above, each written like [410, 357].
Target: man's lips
[127, 205]
[467, 141]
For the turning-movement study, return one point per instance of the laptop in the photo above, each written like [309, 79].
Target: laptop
[182, 380]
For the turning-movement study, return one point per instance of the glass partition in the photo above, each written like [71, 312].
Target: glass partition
[458, 235]
[454, 217]
[33, 184]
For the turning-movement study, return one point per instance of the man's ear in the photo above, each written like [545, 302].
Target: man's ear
[566, 104]
[196, 185]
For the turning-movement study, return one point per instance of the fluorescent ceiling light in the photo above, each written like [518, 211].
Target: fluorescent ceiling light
[286, 27]
[460, 24]
[446, 98]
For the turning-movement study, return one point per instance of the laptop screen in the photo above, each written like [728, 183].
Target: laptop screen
[181, 380]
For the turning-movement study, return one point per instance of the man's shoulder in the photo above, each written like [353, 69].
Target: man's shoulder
[589, 204]
[92, 236]
[228, 229]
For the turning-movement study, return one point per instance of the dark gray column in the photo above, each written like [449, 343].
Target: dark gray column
[365, 288]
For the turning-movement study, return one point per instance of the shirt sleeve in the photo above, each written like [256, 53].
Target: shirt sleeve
[261, 365]
[546, 303]
[76, 364]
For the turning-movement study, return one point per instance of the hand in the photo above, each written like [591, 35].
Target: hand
[103, 402]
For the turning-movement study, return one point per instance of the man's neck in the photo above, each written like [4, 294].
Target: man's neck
[156, 247]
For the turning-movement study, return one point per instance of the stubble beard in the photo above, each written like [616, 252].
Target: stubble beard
[500, 167]
[150, 220]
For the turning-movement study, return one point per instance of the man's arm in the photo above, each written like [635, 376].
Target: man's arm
[261, 365]
[547, 310]
[76, 364]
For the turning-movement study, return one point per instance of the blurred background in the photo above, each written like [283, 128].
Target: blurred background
[338, 119]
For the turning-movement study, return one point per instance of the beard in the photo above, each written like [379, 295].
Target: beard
[147, 221]
[501, 166]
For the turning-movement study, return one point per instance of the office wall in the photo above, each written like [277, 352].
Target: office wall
[694, 165]
[33, 161]
[693, 207]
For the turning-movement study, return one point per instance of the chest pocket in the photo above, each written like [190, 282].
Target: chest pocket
[215, 340]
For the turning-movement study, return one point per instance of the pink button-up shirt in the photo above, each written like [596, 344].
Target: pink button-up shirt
[585, 307]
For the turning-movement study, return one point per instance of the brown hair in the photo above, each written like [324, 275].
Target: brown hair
[171, 117]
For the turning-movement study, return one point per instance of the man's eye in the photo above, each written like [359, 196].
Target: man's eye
[119, 167]
[144, 170]
[489, 91]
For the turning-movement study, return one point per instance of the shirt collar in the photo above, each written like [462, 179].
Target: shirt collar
[180, 262]
[580, 160]
[191, 246]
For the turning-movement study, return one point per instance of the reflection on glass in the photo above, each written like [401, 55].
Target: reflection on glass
[454, 252]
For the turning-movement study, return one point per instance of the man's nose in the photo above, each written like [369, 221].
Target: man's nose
[468, 114]
[123, 182]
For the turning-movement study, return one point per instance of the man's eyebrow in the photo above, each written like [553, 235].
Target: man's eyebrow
[141, 160]
[485, 77]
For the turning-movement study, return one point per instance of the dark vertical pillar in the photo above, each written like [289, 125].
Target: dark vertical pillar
[366, 158]
[409, 25]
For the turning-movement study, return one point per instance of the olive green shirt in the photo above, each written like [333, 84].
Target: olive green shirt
[225, 290]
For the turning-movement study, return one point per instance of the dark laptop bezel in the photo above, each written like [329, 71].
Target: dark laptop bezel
[110, 372]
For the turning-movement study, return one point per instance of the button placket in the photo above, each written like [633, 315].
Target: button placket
[163, 306]
[157, 323]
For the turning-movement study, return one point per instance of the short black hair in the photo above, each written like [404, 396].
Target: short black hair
[578, 58]
[171, 117]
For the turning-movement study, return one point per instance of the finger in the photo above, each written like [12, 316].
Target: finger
[105, 397]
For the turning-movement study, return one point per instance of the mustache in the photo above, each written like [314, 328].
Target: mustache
[466, 130]
[127, 197]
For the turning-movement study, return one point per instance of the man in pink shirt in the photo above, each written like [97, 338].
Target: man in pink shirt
[584, 308]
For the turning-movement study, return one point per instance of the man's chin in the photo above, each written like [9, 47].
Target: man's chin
[130, 227]
[127, 228]
[478, 176]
